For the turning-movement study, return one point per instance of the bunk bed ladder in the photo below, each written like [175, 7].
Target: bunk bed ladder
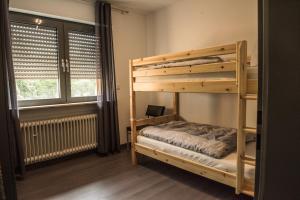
[132, 114]
[242, 158]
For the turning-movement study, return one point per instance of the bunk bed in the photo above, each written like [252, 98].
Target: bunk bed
[221, 69]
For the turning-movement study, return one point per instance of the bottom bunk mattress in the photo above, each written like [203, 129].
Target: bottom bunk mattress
[214, 141]
[227, 163]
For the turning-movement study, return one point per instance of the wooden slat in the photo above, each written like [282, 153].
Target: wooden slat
[155, 120]
[248, 188]
[191, 69]
[186, 55]
[250, 130]
[250, 97]
[219, 86]
[248, 160]
[248, 192]
[191, 166]
[252, 86]
[170, 87]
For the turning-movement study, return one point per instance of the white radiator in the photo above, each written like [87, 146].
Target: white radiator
[48, 139]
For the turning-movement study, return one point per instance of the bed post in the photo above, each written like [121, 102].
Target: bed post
[176, 105]
[241, 67]
[132, 114]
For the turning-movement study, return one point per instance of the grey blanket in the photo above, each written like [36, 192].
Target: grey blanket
[211, 140]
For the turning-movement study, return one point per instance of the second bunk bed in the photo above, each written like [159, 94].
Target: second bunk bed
[226, 155]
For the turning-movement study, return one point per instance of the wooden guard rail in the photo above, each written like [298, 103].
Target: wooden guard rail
[185, 55]
[248, 160]
[189, 69]
[250, 130]
[155, 120]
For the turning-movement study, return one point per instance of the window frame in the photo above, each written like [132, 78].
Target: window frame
[62, 27]
[68, 27]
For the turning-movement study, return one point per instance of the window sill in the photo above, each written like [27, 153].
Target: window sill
[58, 105]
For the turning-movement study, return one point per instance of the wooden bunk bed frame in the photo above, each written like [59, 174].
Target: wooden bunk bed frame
[246, 89]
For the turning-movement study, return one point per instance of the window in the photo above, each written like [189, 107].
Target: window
[35, 59]
[54, 61]
[81, 61]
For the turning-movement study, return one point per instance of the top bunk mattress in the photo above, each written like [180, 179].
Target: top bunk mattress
[213, 141]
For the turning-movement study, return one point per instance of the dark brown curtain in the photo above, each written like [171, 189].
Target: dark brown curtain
[2, 193]
[8, 186]
[108, 126]
[9, 108]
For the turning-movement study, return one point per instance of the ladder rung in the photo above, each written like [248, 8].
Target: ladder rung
[250, 130]
[248, 192]
[250, 96]
[248, 189]
[248, 160]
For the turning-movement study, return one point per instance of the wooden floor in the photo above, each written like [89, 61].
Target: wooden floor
[113, 177]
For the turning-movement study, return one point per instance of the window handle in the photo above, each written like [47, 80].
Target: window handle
[63, 66]
[67, 65]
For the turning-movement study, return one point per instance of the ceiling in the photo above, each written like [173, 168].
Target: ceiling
[144, 6]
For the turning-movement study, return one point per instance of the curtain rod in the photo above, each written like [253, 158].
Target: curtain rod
[121, 10]
[50, 16]
[113, 6]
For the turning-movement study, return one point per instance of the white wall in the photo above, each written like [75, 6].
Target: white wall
[192, 24]
[129, 32]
